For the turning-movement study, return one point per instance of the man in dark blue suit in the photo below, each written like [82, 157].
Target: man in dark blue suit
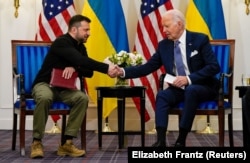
[199, 83]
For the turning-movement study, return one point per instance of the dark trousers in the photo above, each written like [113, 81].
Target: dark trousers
[170, 97]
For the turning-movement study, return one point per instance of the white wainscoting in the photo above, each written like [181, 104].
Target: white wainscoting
[132, 120]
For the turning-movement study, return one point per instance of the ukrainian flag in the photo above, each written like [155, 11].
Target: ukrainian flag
[206, 16]
[108, 35]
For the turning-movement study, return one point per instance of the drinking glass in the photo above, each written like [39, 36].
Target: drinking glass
[246, 79]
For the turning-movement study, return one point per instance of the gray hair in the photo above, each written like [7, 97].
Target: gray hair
[177, 16]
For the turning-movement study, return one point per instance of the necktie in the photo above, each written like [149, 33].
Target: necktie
[178, 59]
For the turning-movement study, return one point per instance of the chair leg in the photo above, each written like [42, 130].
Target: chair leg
[230, 130]
[22, 133]
[63, 126]
[14, 131]
[221, 122]
[83, 133]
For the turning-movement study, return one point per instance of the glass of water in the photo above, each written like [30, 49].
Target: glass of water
[245, 79]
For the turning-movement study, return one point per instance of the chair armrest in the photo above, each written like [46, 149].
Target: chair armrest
[161, 81]
[22, 90]
[14, 71]
[221, 88]
[19, 84]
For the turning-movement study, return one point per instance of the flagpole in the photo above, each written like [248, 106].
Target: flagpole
[207, 129]
[153, 131]
[106, 127]
[54, 130]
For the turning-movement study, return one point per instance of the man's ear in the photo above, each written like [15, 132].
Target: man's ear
[73, 29]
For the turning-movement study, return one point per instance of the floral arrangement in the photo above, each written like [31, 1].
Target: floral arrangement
[124, 59]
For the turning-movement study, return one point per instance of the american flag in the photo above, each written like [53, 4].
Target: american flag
[149, 33]
[53, 22]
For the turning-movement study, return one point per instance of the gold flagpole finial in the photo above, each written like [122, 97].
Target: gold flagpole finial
[247, 2]
[16, 5]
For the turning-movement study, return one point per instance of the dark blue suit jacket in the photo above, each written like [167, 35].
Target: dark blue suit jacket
[201, 61]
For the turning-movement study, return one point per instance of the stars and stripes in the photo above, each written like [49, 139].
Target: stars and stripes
[149, 33]
[53, 20]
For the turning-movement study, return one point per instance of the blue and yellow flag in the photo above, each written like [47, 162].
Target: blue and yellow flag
[206, 16]
[108, 35]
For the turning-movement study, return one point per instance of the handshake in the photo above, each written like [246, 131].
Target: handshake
[115, 71]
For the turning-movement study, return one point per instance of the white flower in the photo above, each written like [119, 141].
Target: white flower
[125, 59]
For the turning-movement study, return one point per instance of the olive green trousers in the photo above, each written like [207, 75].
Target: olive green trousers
[44, 95]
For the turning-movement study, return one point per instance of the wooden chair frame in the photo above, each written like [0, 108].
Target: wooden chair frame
[220, 111]
[23, 112]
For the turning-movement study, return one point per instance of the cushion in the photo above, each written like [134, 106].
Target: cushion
[30, 105]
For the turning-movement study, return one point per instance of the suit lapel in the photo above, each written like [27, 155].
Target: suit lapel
[189, 48]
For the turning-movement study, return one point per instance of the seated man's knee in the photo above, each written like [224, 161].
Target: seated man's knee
[43, 97]
[165, 95]
[82, 97]
[191, 89]
[160, 94]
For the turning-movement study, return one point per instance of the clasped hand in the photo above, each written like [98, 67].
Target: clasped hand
[114, 71]
[180, 81]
